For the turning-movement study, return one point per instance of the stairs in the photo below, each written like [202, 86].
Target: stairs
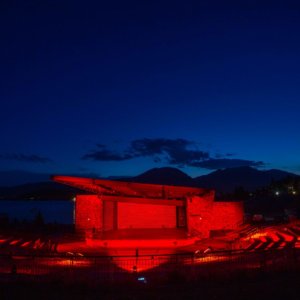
[279, 237]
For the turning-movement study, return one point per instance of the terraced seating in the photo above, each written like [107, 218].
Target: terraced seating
[278, 237]
[28, 245]
[263, 246]
[253, 245]
[247, 230]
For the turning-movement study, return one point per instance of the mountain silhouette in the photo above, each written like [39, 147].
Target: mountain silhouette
[18, 177]
[167, 176]
[41, 190]
[222, 181]
[250, 179]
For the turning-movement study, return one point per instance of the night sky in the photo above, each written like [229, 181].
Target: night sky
[119, 87]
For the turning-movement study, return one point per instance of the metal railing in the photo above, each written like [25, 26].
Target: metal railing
[95, 269]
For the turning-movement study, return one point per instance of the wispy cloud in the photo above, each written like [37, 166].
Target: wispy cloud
[174, 151]
[214, 164]
[177, 152]
[32, 158]
[102, 153]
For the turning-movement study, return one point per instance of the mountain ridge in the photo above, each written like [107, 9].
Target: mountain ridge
[222, 181]
[247, 177]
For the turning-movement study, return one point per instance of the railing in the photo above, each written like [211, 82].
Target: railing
[95, 269]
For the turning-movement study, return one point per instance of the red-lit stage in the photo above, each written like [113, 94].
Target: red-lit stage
[146, 234]
[142, 238]
[126, 214]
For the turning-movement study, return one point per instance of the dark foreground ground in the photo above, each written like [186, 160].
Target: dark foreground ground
[279, 285]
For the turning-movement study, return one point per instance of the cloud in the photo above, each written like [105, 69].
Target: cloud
[33, 158]
[104, 154]
[214, 164]
[219, 155]
[229, 154]
[177, 152]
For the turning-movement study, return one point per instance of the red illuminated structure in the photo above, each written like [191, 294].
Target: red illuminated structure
[116, 207]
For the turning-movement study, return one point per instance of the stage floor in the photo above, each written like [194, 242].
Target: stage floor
[142, 234]
[141, 238]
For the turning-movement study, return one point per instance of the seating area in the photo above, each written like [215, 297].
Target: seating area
[274, 237]
[14, 244]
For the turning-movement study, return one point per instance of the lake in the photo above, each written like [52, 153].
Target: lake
[52, 210]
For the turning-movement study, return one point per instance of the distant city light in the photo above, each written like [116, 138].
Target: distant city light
[277, 193]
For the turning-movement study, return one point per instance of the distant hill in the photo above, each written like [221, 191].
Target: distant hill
[223, 181]
[17, 177]
[249, 178]
[167, 176]
[40, 190]
[20, 177]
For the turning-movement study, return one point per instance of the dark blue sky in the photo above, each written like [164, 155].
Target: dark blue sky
[118, 87]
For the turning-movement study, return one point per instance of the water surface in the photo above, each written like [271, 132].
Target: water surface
[52, 210]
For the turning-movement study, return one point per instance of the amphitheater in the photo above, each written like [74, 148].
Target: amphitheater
[127, 231]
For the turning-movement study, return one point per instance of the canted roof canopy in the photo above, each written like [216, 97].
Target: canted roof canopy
[129, 189]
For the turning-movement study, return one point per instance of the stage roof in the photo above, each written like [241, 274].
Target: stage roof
[129, 189]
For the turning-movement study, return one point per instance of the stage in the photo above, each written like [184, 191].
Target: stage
[141, 238]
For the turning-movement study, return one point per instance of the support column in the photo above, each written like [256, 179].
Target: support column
[199, 214]
[88, 213]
